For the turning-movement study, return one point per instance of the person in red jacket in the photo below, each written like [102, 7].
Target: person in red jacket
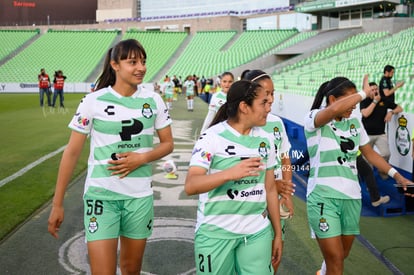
[44, 86]
[58, 83]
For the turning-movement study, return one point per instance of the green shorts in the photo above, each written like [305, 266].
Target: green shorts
[168, 96]
[109, 219]
[245, 255]
[329, 217]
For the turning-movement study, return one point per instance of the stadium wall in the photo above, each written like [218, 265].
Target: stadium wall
[192, 25]
[23, 88]
[189, 25]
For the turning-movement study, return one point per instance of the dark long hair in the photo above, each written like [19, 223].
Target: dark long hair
[337, 87]
[255, 75]
[120, 51]
[239, 91]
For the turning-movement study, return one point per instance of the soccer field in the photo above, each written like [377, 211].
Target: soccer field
[30, 133]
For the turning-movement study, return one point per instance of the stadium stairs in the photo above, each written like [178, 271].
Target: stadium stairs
[19, 47]
[160, 75]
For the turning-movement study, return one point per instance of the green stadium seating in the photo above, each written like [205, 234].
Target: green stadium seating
[159, 46]
[76, 53]
[212, 53]
[12, 40]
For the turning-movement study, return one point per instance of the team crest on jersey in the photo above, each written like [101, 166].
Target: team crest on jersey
[276, 133]
[93, 225]
[323, 225]
[353, 130]
[147, 111]
[263, 150]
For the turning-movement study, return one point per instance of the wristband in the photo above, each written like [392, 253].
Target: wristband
[375, 101]
[392, 172]
[363, 95]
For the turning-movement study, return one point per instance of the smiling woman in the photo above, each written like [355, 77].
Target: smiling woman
[238, 200]
[120, 117]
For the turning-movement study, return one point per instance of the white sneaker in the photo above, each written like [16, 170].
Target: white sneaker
[382, 200]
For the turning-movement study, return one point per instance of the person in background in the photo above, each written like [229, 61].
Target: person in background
[168, 91]
[333, 139]
[58, 84]
[218, 99]
[189, 92]
[118, 198]
[203, 82]
[366, 174]
[376, 111]
[386, 87]
[283, 171]
[44, 86]
[208, 89]
[238, 224]
[177, 89]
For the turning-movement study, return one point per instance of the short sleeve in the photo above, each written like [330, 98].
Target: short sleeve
[82, 120]
[203, 151]
[364, 138]
[163, 117]
[309, 122]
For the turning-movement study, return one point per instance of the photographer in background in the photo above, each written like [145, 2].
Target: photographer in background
[376, 111]
[44, 85]
[58, 83]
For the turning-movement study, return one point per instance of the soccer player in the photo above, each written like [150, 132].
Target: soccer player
[120, 117]
[232, 170]
[283, 172]
[333, 139]
[218, 99]
[189, 92]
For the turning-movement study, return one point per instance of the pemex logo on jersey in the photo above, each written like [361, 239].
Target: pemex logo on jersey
[147, 111]
[129, 128]
[263, 152]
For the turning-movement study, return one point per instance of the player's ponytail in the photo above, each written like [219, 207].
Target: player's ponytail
[107, 77]
[239, 91]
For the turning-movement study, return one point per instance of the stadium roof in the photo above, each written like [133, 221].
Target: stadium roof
[324, 7]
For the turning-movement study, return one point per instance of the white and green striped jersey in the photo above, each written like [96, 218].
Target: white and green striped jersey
[118, 124]
[189, 87]
[217, 100]
[333, 149]
[275, 127]
[169, 87]
[236, 208]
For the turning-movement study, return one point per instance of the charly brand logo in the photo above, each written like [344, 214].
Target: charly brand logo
[402, 136]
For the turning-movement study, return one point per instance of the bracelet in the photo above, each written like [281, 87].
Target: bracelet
[375, 101]
[363, 95]
[392, 172]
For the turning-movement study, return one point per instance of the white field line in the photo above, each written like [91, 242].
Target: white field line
[30, 166]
